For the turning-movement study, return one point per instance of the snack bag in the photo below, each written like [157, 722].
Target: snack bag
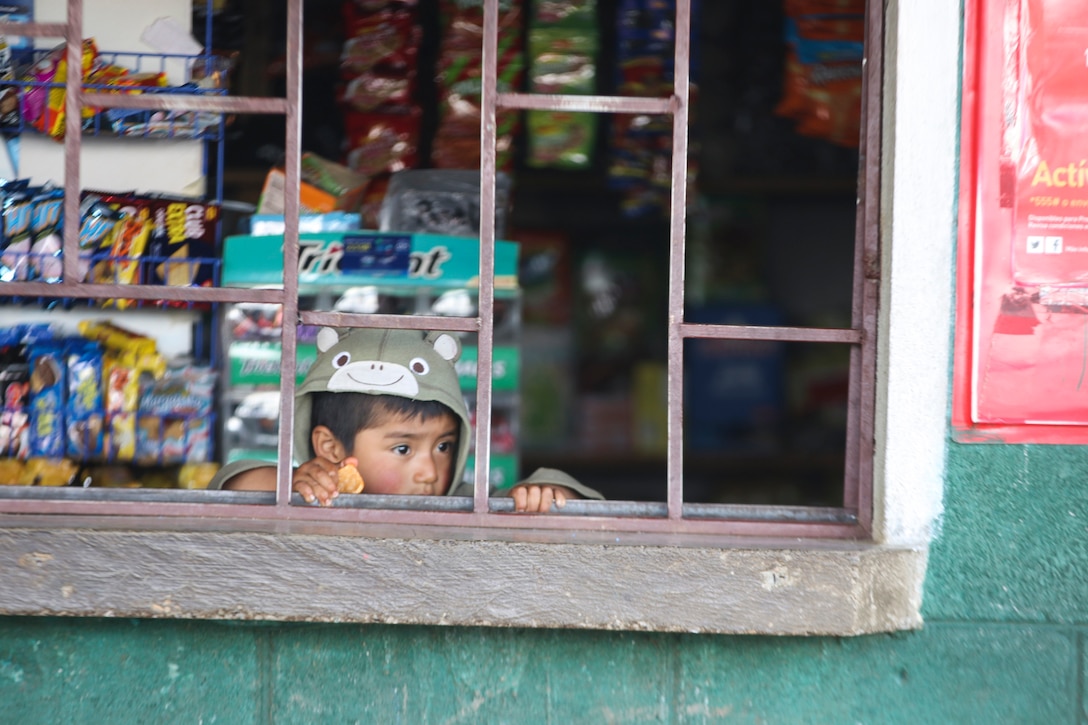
[175, 415]
[149, 442]
[127, 357]
[382, 141]
[183, 243]
[54, 69]
[46, 220]
[16, 210]
[47, 397]
[121, 252]
[97, 221]
[85, 414]
[14, 397]
[823, 70]
[121, 437]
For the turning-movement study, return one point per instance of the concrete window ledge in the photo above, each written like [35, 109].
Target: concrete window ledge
[783, 588]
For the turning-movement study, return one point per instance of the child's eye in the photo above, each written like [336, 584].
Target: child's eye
[341, 360]
[445, 447]
[402, 450]
[419, 366]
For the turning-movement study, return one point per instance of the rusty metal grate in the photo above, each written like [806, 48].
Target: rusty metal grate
[673, 517]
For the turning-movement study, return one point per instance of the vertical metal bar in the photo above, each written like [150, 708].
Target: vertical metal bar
[289, 330]
[677, 227]
[209, 25]
[873, 119]
[73, 139]
[857, 489]
[486, 338]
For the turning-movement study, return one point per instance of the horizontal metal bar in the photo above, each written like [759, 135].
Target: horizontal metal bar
[589, 104]
[200, 516]
[33, 30]
[385, 507]
[186, 102]
[78, 290]
[410, 322]
[785, 334]
[796, 514]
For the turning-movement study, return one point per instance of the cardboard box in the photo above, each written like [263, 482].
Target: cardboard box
[324, 186]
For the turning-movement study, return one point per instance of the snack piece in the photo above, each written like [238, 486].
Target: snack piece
[350, 479]
[48, 472]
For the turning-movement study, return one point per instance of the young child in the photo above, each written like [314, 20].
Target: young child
[390, 400]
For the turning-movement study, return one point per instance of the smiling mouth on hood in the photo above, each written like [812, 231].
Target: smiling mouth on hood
[377, 384]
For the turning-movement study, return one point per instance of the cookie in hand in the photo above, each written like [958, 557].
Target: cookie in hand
[350, 481]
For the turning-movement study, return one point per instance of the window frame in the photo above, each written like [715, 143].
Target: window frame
[30, 533]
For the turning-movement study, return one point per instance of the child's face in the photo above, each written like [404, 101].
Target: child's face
[408, 456]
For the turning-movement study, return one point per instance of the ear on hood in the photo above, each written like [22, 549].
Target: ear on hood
[448, 346]
[326, 338]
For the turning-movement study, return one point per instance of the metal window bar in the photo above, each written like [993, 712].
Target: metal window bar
[675, 517]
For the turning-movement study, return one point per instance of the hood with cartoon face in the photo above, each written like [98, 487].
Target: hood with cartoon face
[405, 363]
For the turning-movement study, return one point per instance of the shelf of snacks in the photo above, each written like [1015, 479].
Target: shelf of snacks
[32, 97]
[96, 406]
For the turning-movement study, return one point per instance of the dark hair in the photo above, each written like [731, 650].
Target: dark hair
[345, 414]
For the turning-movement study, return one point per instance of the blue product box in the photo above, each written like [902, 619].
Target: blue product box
[734, 389]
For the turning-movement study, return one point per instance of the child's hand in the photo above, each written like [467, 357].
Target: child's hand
[537, 498]
[317, 480]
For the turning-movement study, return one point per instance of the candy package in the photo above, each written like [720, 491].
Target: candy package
[382, 141]
[46, 220]
[48, 391]
[821, 88]
[16, 206]
[84, 414]
[175, 414]
[184, 237]
[14, 397]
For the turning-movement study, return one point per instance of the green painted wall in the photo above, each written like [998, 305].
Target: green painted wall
[1006, 621]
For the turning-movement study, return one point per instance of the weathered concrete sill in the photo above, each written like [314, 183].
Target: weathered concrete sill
[786, 588]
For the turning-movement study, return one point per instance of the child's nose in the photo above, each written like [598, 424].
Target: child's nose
[427, 469]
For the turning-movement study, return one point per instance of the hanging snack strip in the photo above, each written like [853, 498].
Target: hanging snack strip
[380, 96]
[562, 60]
[825, 41]
[460, 66]
[640, 164]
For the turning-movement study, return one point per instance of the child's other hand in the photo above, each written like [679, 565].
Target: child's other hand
[316, 480]
[536, 498]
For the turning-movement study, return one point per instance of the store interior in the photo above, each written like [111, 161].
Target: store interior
[770, 230]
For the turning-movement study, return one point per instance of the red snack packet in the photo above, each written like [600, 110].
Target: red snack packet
[380, 142]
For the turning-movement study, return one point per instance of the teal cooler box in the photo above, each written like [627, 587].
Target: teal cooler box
[409, 267]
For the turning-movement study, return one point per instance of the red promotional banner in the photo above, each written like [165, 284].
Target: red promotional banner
[1021, 349]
